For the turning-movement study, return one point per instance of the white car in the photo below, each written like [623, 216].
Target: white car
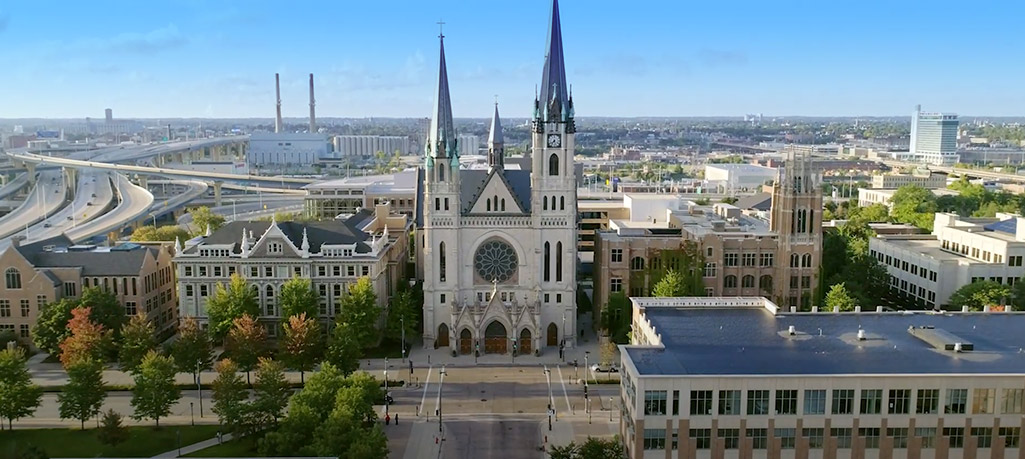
[605, 369]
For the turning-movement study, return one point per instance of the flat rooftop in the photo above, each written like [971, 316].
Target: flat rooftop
[753, 341]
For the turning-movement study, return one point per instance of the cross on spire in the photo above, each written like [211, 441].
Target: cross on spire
[441, 28]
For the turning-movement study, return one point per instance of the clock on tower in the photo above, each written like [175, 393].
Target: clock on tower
[554, 140]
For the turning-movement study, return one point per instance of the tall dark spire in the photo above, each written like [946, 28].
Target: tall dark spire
[442, 140]
[554, 100]
[496, 142]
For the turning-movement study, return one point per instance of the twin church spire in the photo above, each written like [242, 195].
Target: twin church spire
[554, 104]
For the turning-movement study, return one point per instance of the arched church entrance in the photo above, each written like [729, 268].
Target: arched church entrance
[525, 342]
[465, 342]
[442, 338]
[553, 334]
[495, 338]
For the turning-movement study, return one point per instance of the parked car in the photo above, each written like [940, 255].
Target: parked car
[597, 368]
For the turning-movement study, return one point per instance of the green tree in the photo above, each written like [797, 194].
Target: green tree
[978, 295]
[271, 394]
[1018, 296]
[361, 313]
[167, 233]
[191, 350]
[203, 217]
[137, 339]
[246, 342]
[319, 392]
[875, 213]
[839, 297]
[672, 284]
[18, 396]
[105, 309]
[83, 395]
[343, 349]
[229, 303]
[301, 343]
[51, 327]
[111, 431]
[229, 395]
[602, 448]
[616, 318]
[155, 392]
[914, 205]
[403, 313]
[88, 340]
[298, 297]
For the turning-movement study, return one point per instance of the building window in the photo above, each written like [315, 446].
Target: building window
[441, 262]
[983, 436]
[766, 260]
[870, 435]
[900, 401]
[871, 401]
[24, 330]
[729, 402]
[805, 281]
[5, 308]
[842, 436]
[41, 302]
[1014, 260]
[187, 271]
[899, 436]
[759, 438]
[1012, 401]
[765, 283]
[956, 401]
[787, 437]
[13, 278]
[710, 269]
[700, 402]
[654, 438]
[928, 436]
[928, 401]
[786, 401]
[730, 438]
[815, 401]
[757, 402]
[729, 259]
[955, 435]
[747, 281]
[655, 403]
[702, 438]
[676, 403]
[1012, 436]
[364, 270]
[615, 285]
[983, 400]
[730, 281]
[636, 263]
[843, 401]
[749, 259]
[70, 289]
[131, 308]
[25, 307]
[815, 436]
[616, 255]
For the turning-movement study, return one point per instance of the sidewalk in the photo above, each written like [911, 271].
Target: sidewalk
[188, 449]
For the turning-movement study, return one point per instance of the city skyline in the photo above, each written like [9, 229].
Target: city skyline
[661, 59]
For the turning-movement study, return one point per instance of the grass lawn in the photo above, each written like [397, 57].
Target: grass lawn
[144, 441]
[244, 447]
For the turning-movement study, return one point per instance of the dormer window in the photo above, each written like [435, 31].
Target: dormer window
[274, 247]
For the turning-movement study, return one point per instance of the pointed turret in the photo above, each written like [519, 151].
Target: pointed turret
[554, 103]
[496, 142]
[177, 246]
[305, 246]
[441, 142]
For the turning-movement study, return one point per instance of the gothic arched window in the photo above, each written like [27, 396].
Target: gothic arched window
[441, 262]
[13, 278]
[553, 164]
[547, 268]
[558, 261]
[730, 281]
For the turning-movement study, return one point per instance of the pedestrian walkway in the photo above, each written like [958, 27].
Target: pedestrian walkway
[189, 449]
[422, 442]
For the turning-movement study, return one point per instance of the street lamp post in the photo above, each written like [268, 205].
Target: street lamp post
[610, 409]
[440, 384]
[193, 411]
[402, 323]
[199, 388]
[551, 400]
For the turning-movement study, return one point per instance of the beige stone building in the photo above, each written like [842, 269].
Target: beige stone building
[332, 254]
[44, 272]
[743, 254]
[740, 378]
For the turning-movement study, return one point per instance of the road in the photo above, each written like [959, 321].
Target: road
[92, 197]
[243, 210]
[14, 186]
[135, 201]
[48, 414]
[195, 189]
[46, 197]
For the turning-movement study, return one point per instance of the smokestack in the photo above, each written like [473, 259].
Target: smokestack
[277, 90]
[313, 115]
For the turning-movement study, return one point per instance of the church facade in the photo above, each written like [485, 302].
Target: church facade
[497, 246]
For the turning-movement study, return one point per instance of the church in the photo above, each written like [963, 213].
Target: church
[497, 246]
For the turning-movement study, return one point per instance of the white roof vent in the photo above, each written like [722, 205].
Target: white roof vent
[861, 335]
[958, 347]
[792, 330]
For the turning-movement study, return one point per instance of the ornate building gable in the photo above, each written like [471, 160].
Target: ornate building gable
[496, 196]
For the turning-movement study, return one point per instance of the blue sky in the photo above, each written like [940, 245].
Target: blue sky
[640, 58]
